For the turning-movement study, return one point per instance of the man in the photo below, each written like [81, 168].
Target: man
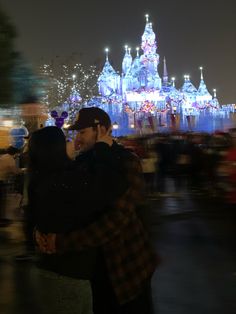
[126, 262]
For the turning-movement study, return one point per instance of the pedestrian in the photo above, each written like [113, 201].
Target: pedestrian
[230, 160]
[8, 169]
[126, 261]
[27, 214]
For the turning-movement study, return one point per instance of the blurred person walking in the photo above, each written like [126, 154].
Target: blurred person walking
[27, 214]
[230, 160]
[162, 149]
[8, 169]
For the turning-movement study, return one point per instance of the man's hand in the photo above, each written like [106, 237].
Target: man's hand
[104, 135]
[46, 242]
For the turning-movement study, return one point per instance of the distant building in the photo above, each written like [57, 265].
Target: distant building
[139, 100]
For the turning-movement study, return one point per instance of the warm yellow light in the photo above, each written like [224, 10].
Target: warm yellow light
[66, 125]
[7, 123]
[115, 126]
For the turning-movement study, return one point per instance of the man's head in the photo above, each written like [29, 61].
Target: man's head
[86, 125]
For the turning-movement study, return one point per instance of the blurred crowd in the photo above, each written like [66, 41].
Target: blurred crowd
[196, 163]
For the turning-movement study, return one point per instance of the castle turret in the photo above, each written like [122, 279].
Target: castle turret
[150, 58]
[203, 94]
[127, 61]
[215, 102]
[133, 81]
[108, 80]
[188, 87]
[149, 44]
[189, 92]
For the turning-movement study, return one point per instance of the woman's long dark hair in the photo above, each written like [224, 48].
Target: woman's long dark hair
[47, 151]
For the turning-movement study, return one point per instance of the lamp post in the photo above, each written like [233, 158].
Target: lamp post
[115, 127]
[214, 91]
[173, 81]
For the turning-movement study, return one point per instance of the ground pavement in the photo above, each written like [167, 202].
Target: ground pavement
[195, 237]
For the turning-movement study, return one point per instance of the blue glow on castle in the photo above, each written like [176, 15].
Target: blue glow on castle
[140, 101]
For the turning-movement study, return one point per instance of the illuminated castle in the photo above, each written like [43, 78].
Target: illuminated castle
[140, 99]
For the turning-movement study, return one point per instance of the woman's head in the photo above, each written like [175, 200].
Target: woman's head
[47, 149]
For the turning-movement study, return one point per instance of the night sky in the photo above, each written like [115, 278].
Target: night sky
[189, 33]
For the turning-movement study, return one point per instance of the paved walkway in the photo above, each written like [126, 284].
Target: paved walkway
[196, 241]
[198, 270]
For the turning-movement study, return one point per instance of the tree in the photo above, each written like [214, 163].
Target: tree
[25, 83]
[61, 80]
[7, 56]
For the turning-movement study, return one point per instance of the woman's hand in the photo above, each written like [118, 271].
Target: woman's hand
[104, 135]
[46, 242]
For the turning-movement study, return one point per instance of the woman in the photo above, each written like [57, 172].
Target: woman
[59, 199]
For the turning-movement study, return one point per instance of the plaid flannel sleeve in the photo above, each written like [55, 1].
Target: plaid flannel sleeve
[97, 233]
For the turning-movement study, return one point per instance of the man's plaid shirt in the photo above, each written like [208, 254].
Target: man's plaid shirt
[120, 233]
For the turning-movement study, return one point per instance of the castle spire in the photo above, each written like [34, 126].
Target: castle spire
[150, 58]
[106, 51]
[149, 45]
[201, 69]
[165, 73]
